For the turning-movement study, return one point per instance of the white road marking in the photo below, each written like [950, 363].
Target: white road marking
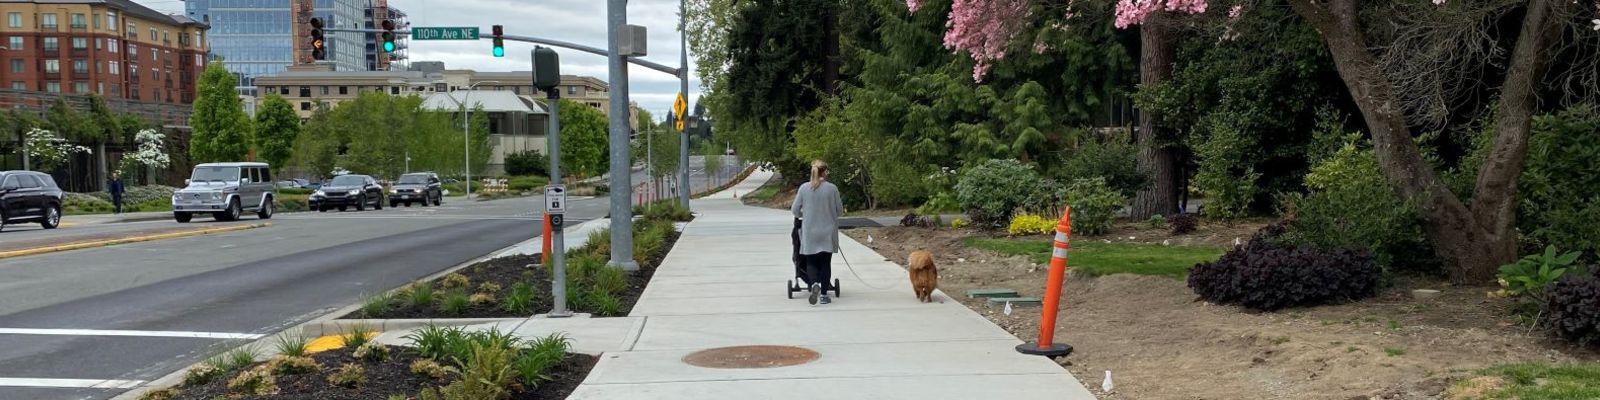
[70, 383]
[112, 332]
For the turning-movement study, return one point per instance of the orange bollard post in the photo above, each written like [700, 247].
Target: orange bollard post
[547, 233]
[1046, 345]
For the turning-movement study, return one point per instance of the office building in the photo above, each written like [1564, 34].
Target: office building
[378, 60]
[113, 48]
[257, 37]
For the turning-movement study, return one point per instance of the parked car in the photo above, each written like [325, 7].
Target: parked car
[294, 184]
[27, 196]
[345, 191]
[226, 191]
[421, 187]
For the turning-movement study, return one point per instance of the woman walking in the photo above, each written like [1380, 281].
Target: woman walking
[818, 207]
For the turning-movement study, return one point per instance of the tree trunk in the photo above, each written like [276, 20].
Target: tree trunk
[830, 64]
[1474, 241]
[100, 150]
[1156, 159]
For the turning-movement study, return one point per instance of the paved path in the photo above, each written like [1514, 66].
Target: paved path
[720, 286]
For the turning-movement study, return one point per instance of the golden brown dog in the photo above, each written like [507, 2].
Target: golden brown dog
[924, 275]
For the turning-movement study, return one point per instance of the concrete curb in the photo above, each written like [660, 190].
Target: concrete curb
[341, 326]
[136, 239]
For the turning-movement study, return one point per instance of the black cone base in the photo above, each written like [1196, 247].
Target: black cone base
[1055, 349]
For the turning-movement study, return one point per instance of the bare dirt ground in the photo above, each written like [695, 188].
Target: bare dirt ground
[1160, 343]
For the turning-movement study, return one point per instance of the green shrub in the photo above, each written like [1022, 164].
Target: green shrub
[349, 375]
[432, 369]
[235, 359]
[291, 203]
[257, 381]
[357, 336]
[527, 162]
[436, 342]
[1028, 224]
[79, 204]
[665, 210]
[160, 394]
[295, 191]
[1266, 275]
[1559, 195]
[520, 184]
[373, 352]
[455, 281]
[1156, 222]
[293, 365]
[1226, 175]
[377, 305]
[420, 295]
[1111, 158]
[455, 302]
[479, 299]
[958, 223]
[519, 300]
[1351, 205]
[1530, 275]
[991, 191]
[602, 303]
[542, 354]
[939, 203]
[201, 374]
[292, 345]
[484, 375]
[611, 280]
[489, 288]
[1094, 206]
[599, 244]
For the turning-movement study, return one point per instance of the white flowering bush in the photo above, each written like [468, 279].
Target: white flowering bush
[46, 150]
[152, 152]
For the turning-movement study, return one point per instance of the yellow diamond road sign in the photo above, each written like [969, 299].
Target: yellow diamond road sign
[680, 107]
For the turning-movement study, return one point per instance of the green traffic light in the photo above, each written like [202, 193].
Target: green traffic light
[499, 52]
[388, 46]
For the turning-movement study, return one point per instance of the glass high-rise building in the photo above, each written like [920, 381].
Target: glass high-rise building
[257, 37]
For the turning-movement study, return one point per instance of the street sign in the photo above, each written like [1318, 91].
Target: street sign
[680, 108]
[444, 33]
[555, 199]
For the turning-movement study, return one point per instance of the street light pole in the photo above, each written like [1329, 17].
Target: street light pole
[466, 135]
[683, 81]
[621, 166]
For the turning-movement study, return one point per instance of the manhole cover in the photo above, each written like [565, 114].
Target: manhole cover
[751, 357]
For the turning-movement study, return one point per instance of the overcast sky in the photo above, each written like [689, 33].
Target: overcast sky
[578, 21]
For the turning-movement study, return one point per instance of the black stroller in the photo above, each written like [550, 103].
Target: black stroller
[799, 284]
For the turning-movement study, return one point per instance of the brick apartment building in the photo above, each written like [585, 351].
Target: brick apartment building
[113, 48]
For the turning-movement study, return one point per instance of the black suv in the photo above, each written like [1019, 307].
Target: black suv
[421, 187]
[27, 196]
[345, 191]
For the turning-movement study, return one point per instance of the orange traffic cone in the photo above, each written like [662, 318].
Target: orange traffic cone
[1046, 345]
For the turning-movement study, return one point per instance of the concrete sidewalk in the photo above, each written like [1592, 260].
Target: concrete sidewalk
[720, 287]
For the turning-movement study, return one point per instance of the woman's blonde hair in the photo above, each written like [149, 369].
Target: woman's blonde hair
[819, 169]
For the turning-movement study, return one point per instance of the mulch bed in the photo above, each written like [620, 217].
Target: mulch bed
[507, 271]
[385, 379]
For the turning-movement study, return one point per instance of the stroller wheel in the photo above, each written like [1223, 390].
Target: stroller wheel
[790, 293]
[836, 288]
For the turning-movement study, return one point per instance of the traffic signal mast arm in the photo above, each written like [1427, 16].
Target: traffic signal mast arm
[548, 42]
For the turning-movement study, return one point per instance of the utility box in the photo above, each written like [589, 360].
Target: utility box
[631, 41]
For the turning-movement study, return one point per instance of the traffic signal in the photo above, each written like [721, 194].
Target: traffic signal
[499, 42]
[388, 36]
[318, 45]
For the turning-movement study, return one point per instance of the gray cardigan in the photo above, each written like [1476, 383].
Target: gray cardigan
[818, 210]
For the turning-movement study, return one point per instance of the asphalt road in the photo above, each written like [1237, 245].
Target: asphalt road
[135, 312]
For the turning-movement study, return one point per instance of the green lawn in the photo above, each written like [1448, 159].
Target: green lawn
[1097, 258]
[1534, 381]
[762, 194]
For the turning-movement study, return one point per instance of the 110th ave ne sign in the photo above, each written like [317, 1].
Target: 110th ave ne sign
[444, 33]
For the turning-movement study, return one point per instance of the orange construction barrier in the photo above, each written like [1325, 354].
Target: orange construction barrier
[1046, 345]
[547, 233]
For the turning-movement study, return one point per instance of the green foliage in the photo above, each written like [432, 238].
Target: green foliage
[349, 375]
[319, 144]
[1027, 224]
[958, 223]
[529, 162]
[485, 375]
[1529, 276]
[542, 354]
[1578, 381]
[1095, 258]
[436, 342]
[455, 302]
[519, 299]
[277, 127]
[991, 191]
[202, 374]
[377, 304]
[293, 365]
[455, 280]
[221, 129]
[1351, 205]
[160, 394]
[432, 369]
[1094, 206]
[342, 137]
[71, 124]
[584, 145]
[257, 381]
[235, 359]
[356, 336]
[1559, 194]
[292, 345]
[420, 295]
[1225, 175]
[665, 210]
[1112, 158]
[1156, 222]
[372, 352]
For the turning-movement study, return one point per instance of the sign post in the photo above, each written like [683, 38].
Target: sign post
[547, 76]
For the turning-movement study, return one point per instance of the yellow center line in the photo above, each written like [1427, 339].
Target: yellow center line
[135, 239]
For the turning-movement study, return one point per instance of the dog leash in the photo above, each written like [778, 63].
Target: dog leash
[852, 269]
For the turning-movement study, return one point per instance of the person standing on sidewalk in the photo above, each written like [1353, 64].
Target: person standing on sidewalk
[115, 187]
[818, 207]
